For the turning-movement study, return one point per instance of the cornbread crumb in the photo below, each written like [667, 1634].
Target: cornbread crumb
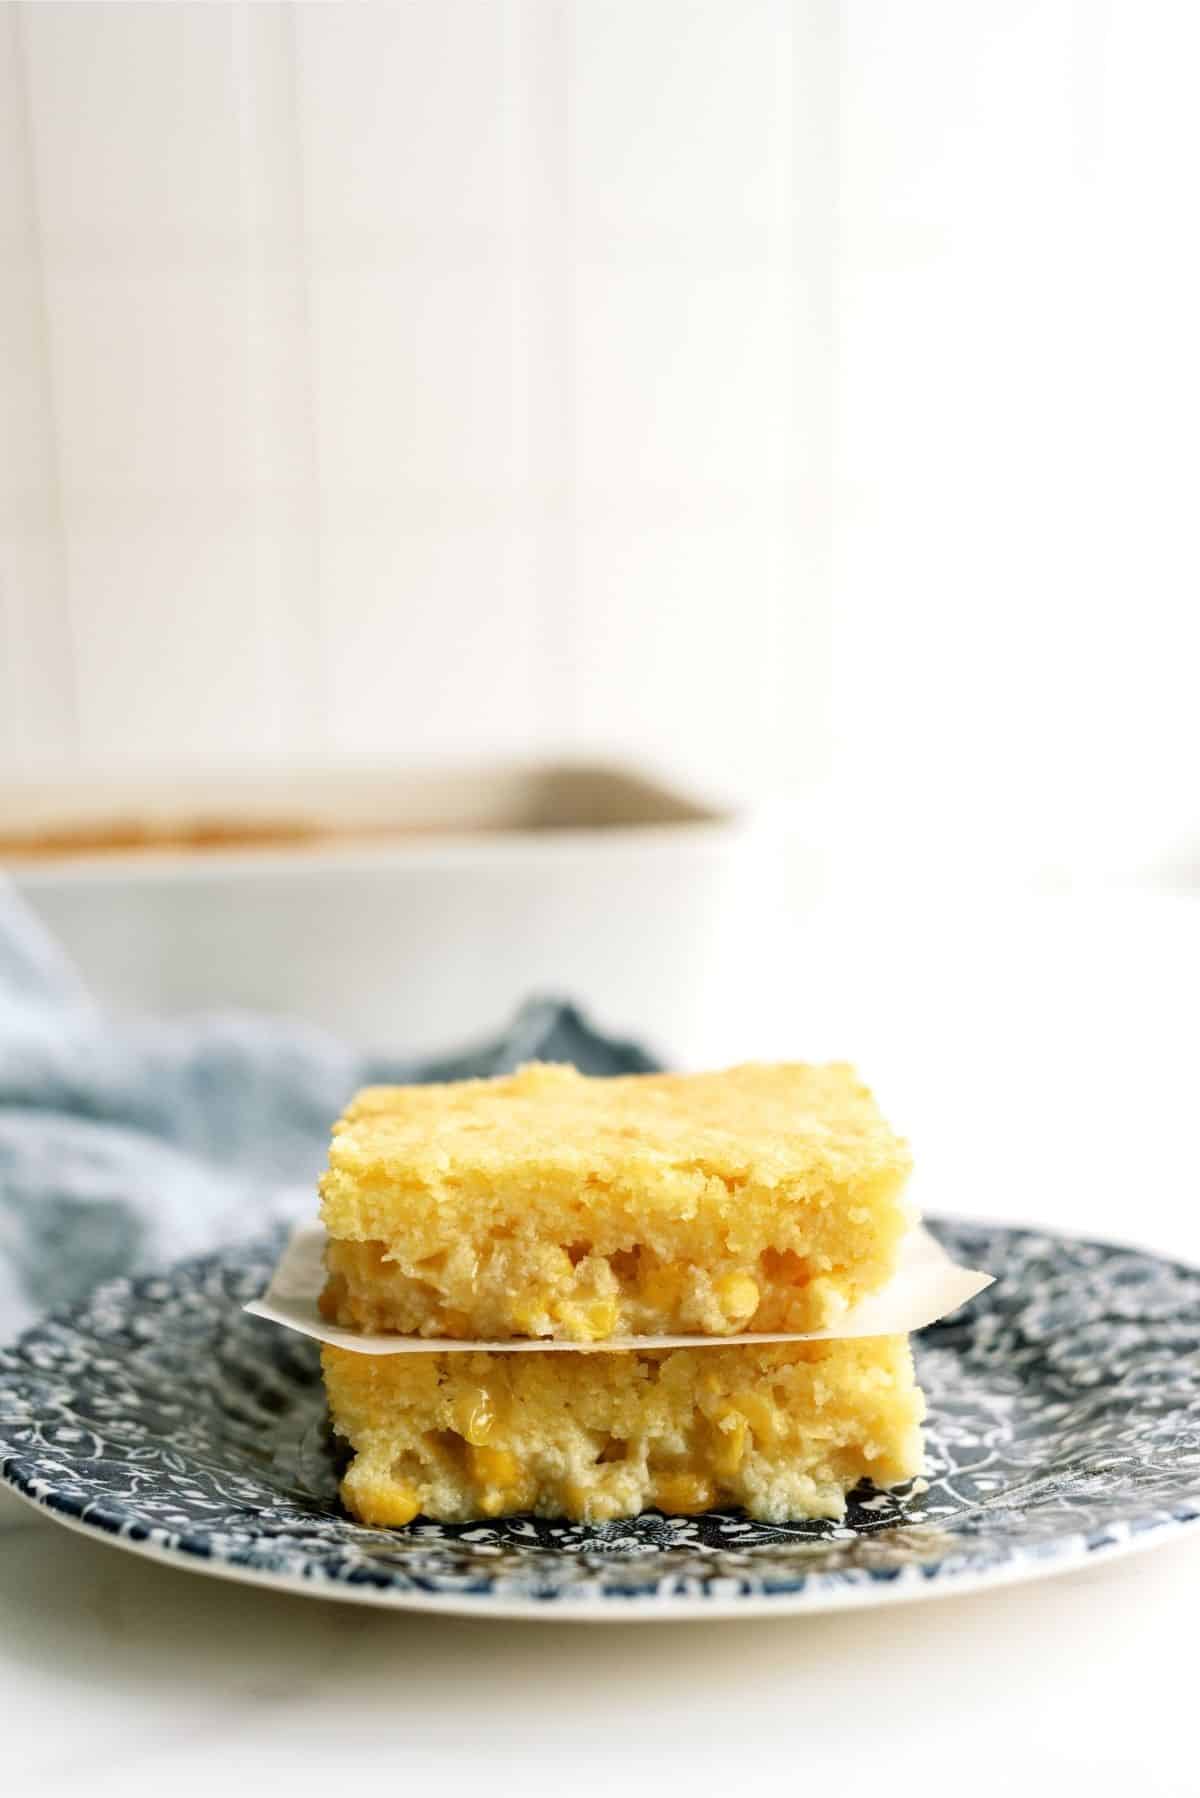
[783, 1430]
[548, 1204]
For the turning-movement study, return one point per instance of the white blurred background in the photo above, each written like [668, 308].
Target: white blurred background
[803, 394]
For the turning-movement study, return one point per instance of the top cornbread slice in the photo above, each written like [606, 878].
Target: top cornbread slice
[550, 1204]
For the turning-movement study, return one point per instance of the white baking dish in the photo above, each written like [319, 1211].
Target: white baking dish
[435, 903]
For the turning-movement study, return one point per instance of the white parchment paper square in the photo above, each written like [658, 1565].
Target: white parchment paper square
[926, 1285]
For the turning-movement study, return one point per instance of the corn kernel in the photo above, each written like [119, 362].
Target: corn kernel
[600, 1317]
[729, 1448]
[737, 1295]
[529, 1314]
[475, 1417]
[493, 1466]
[498, 1476]
[456, 1325]
[683, 1493]
[388, 1503]
[584, 1506]
[588, 1321]
[761, 1416]
[662, 1285]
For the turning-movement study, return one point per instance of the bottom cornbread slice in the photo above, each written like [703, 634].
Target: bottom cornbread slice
[784, 1430]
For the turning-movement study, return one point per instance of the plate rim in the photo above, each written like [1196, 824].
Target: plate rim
[907, 1587]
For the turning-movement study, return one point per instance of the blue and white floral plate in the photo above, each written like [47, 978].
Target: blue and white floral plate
[1064, 1425]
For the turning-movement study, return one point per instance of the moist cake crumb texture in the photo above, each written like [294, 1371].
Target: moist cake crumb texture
[784, 1430]
[547, 1204]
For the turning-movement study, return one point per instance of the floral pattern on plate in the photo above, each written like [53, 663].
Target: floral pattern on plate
[1064, 1422]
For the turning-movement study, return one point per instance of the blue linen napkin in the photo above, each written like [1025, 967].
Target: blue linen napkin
[127, 1142]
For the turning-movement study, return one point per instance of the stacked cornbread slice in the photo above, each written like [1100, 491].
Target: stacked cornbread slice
[551, 1206]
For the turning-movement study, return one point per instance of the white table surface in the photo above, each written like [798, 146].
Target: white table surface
[1043, 1056]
